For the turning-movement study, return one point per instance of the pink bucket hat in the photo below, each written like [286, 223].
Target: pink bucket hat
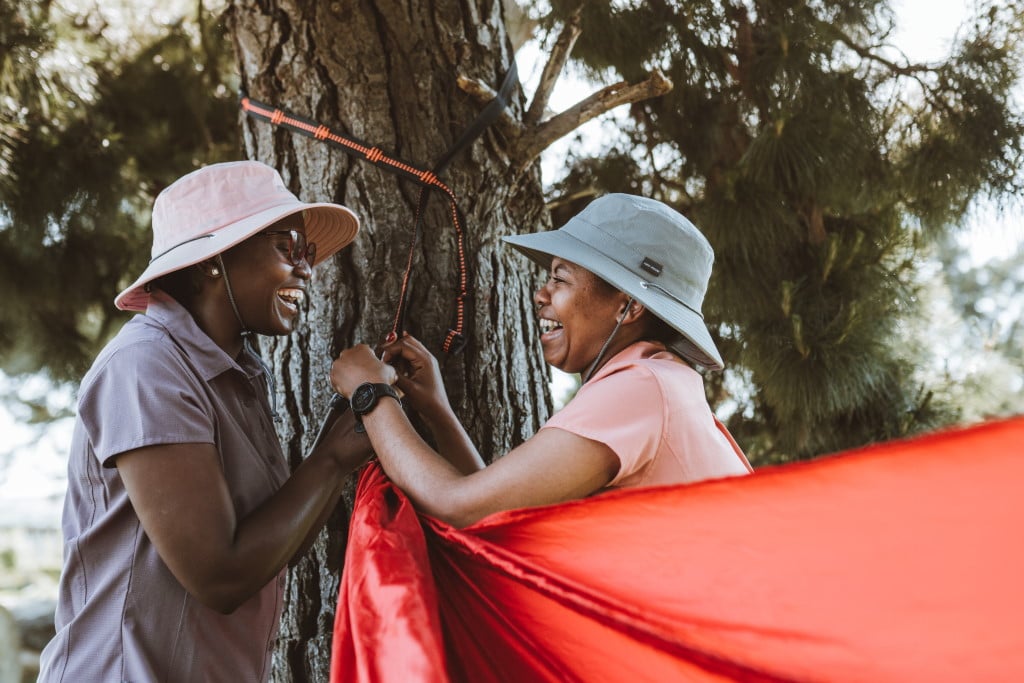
[216, 207]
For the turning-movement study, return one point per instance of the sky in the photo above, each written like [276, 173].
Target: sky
[33, 481]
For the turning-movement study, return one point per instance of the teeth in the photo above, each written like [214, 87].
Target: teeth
[295, 296]
[548, 325]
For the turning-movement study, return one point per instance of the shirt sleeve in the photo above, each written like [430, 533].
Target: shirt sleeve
[144, 395]
[625, 411]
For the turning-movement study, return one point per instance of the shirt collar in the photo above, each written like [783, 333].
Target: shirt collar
[638, 350]
[210, 359]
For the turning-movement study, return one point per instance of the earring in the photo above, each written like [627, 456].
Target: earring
[215, 272]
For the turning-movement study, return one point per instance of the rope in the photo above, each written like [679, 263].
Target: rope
[455, 339]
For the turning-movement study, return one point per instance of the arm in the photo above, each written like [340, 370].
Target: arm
[423, 389]
[353, 450]
[551, 467]
[183, 502]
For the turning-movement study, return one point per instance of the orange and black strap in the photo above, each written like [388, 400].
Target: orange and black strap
[455, 338]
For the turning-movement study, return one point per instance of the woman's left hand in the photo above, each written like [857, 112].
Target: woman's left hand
[356, 366]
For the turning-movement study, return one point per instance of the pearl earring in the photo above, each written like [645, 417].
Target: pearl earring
[215, 272]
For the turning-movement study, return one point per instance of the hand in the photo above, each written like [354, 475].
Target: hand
[358, 365]
[350, 449]
[419, 377]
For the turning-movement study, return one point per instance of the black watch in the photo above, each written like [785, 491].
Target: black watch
[365, 397]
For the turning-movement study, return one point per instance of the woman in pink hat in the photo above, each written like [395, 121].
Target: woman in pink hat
[622, 307]
[181, 513]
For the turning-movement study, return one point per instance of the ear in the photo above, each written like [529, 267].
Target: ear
[210, 268]
[631, 310]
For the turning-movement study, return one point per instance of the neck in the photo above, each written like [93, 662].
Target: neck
[618, 339]
[214, 317]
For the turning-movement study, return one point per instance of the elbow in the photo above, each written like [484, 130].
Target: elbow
[456, 521]
[453, 513]
[221, 582]
[459, 522]
[223, 595]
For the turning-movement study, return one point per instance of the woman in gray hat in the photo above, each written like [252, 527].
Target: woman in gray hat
[622, 307]
[181, 513]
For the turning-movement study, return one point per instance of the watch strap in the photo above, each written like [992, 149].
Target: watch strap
[379, 390]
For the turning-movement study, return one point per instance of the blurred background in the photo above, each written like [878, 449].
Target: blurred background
[102, 105]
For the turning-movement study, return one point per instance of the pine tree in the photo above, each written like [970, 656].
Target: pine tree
[820, 163]
[85, 146]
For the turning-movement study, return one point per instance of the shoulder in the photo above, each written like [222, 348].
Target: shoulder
[140, 357]
[630, 393]
[139, 343]
[660, 373]
[624, 377]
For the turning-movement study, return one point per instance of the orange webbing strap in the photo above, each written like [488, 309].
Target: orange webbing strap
[455, 339]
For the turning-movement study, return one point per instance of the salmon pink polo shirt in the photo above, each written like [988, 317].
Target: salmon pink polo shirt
[649, 407]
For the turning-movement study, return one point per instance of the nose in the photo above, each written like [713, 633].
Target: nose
[303, 269]
[540, 297]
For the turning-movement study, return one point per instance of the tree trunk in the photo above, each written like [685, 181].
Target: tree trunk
[385, 72]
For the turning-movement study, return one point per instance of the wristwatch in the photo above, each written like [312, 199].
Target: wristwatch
[365, 397]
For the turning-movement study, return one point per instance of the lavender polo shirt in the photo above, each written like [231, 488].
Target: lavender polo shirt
[121, 614]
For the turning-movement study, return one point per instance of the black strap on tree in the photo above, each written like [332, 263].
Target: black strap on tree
[455, 339]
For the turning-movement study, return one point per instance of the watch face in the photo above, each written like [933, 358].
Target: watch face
[363, 398]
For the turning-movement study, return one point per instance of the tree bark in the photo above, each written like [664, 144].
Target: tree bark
[385, 72]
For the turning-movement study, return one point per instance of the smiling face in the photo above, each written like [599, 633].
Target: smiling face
[578, 312]
[267, 286]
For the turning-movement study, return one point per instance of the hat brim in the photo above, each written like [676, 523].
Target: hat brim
[540, 247]
[330, 226]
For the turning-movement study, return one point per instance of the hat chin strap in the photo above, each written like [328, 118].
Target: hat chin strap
[600, 354]
[231, 298]
[247, 335]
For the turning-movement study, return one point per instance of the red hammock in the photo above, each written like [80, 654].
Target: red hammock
[899, 562]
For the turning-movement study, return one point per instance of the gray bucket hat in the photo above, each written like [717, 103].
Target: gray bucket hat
[646, 250]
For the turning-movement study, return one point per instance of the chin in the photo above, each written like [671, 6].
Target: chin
[561, 367]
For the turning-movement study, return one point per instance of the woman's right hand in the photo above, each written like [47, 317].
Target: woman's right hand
[419, 377]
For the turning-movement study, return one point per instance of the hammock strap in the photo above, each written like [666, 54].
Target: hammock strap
[455, 339]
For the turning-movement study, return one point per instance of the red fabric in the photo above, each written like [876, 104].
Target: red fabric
[897, 562]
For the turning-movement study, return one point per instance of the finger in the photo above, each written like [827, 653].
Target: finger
[414, 342]
[405, 384]
[403, 350]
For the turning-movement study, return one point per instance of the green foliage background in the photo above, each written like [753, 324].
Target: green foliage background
[92, 128]
[826, 169]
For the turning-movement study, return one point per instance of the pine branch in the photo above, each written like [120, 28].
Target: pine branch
[538, 138]
[908, 69]
[571, 197]
[553, 69]
[482, 94]
[527, 142]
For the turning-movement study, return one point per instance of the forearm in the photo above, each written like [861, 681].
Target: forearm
[454, 444]
[275, 533]
[434, 484]
[319, 524]
[323, 441]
